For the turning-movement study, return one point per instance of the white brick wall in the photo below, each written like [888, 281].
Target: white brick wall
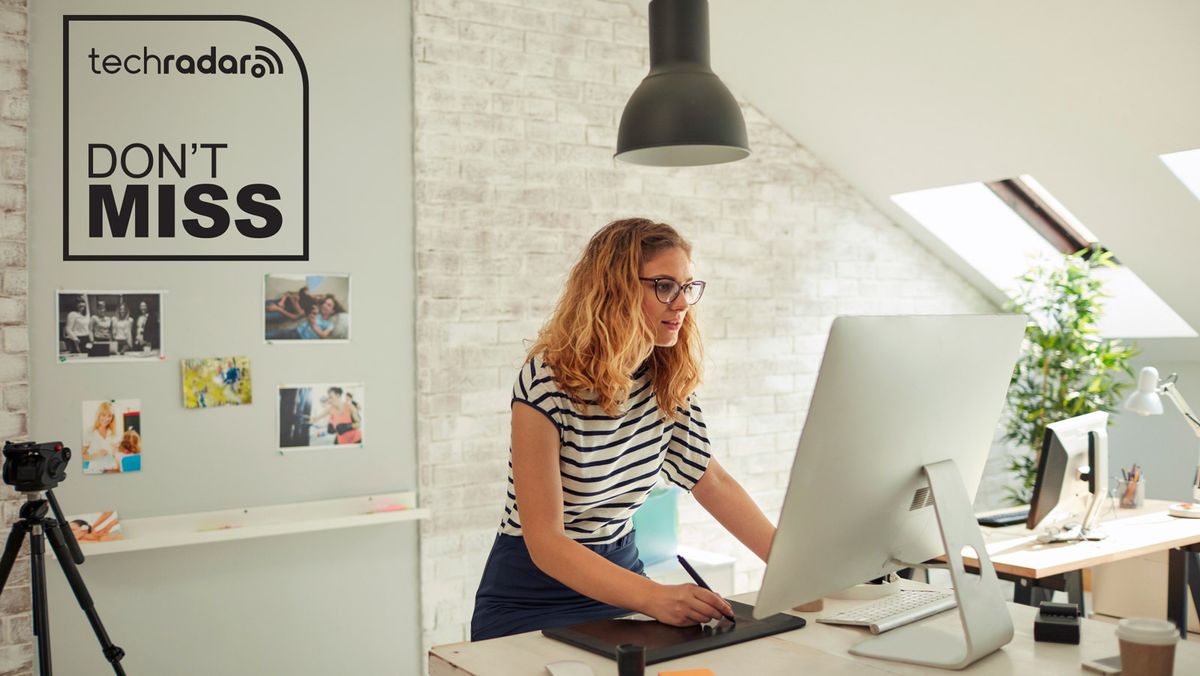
[516, 111]
[16, 648]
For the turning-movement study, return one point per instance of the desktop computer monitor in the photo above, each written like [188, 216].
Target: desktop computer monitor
[1072, 478]
[897, 435]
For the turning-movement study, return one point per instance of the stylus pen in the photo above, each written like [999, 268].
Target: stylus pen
[700, 581]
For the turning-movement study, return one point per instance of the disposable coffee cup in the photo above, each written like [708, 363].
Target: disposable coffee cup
[1147, 646]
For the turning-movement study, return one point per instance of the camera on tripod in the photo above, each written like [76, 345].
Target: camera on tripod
[31, 467]
[34, 469]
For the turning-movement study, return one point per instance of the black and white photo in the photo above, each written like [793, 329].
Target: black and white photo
[109, 325]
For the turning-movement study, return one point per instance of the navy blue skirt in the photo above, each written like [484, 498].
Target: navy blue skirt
[515, 596]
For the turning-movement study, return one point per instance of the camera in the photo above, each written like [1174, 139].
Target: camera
[31, 467]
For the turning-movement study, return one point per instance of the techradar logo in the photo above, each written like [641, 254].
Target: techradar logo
[263, 62]
[185, 137]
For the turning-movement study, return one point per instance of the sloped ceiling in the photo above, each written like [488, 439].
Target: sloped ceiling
[1082, 94]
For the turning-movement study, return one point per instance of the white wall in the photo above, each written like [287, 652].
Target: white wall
[337, 602]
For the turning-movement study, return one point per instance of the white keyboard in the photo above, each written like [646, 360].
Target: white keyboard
[896, 610]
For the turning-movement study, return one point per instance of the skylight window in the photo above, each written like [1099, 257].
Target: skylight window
[1058, 208]
[981, 228]
[1001, 228]
[1186, 167]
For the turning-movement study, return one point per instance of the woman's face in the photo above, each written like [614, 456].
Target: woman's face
[143, 308]
[327, 307]
[105, 418]
[665, 319]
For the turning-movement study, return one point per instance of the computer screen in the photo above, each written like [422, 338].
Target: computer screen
[894, 396]
[1072, 475]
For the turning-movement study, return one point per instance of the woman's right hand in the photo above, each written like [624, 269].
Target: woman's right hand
[685, 604]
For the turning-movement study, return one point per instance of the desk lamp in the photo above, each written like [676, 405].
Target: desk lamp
[1147, 400]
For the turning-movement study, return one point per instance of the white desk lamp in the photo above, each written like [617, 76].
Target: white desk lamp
[1147, 400]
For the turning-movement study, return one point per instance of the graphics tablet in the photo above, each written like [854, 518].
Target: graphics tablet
[664, 642]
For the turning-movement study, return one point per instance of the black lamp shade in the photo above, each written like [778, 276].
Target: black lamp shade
[681, 114]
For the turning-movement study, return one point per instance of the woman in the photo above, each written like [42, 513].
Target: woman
[145, 335]
[101, 323]
[123, 329]
[78, 328]
[318, 325]
[343, 416]
[100, 446]
[320, 320]
[107, 527]
[603, 407]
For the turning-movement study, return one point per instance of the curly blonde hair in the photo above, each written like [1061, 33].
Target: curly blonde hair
[598, 336]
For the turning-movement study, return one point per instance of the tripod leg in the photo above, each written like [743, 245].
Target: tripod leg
[41, 608]
[16, 536]
[112, 653]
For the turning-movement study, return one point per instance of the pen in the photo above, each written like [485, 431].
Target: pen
[700, 581]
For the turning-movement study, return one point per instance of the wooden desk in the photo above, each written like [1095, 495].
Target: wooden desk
[1018, 556]
[815, 649]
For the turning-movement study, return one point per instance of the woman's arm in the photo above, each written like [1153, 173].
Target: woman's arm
[312, 321]
[101, 452]
[280, 306]
[732, 507]
[99, 533]
[538, 486]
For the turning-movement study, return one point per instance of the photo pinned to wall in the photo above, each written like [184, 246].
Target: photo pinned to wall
[112, 436]
[96, 527]
[306, 308]
[216, 381]
[314, 417]
[109, 326]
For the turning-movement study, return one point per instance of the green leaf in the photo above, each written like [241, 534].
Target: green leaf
[1066, 367]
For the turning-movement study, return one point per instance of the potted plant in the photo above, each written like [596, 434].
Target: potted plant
[1066, 368]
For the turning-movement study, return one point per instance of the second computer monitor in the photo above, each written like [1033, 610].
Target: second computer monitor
[1072, 475]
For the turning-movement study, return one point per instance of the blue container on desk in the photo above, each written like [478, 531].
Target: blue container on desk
[656, 526]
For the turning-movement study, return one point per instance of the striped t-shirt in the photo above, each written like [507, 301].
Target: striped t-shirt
[609, 464]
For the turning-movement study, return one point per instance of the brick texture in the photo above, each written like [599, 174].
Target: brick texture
[517, 105]
[16, 647]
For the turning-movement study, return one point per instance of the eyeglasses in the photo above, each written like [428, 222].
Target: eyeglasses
[667, 290]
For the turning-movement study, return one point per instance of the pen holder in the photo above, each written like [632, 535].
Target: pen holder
[631, 660]
[1131, 494]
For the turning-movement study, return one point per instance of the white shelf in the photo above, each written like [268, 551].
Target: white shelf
[254, 522]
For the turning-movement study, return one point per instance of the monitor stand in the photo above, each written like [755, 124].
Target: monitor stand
[1071, 534]
[986, 623]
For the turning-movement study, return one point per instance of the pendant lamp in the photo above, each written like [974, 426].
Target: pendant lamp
[681, 115]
